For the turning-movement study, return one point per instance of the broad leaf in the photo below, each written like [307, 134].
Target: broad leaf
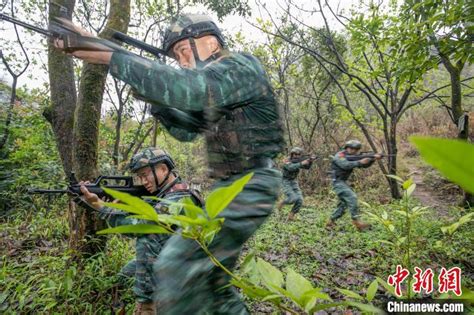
[395, 177]
[136, 229]
[407, 183]
[387, 287]
[366, 308]
[296, 284]
[220, 198]
[141, 207]
[350, 293]
[271, 276]
[453, 158]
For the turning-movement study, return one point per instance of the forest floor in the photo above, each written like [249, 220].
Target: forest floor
[38, 275]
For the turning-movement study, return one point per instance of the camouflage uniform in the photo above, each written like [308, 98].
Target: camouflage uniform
[342, 169]
[293, 194]
[232, 103]
[148, 246]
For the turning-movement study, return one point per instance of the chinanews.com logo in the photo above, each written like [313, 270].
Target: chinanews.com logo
[423, 283]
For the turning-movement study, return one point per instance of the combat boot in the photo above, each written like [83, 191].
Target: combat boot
[361, 226]
[330, 224]
[145, 308]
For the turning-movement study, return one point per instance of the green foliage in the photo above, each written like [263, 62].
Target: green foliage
[453, 158]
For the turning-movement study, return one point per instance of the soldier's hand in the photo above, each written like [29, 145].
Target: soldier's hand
[306, 162]
[89, 197]
[365, 161]
[378, 156]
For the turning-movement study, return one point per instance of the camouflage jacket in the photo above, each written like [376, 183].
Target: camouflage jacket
[292, 169]
[230, 101]
[342, 168]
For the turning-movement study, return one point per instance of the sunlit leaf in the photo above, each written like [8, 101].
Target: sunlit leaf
[350, 293]
[453, 158]
[366, 308]
[136, 229]
[220, 198]
[140, 206]
[271, 276]
[371, 290]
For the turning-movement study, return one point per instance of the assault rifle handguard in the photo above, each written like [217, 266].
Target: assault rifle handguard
[371, 155]
[119, 183]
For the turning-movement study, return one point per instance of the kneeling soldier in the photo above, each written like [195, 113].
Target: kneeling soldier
[155, 170]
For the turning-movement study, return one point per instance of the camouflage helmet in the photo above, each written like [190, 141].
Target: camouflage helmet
[354, 144]
[296, 150]
[187, 26]
[150, 157]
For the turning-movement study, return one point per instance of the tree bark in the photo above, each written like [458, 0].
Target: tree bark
[86, 128]
[63, 93]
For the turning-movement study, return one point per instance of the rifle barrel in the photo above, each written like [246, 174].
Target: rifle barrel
[47, 191]
[139, 44]
[25, 25]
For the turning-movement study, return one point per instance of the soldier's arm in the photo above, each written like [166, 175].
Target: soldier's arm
[289, 166]
[231, 82]
[343, 163]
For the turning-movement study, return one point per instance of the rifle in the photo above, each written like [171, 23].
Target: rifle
[62, 29]
[119, 183]
[370, 155]
[310, 157]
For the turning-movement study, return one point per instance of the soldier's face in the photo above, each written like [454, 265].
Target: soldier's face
[184, 54]
[352, 150]
[148, 180]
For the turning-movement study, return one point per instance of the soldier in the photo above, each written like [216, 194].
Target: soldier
[155, 170]
[226, 96]
[341, 170]
[291, 169]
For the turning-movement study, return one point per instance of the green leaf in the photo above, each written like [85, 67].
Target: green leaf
[453, 158]
[395, 177]
[407, 183]
[271, 276]
[350, 293]
[136, 229]
[410, 190]
[371, 290]
[296, 284]
[387, 287]
[139, 206]
[366, 308]
[220, 198]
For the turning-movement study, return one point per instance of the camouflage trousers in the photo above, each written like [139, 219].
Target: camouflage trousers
[293, 194]
[148, 248]
[347, 199]
[188, 282]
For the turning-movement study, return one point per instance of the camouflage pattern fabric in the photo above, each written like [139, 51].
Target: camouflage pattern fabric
[293, 194]
[347, 199]
[342, 170]
[188, 282]
[148, 247]
[230, 101]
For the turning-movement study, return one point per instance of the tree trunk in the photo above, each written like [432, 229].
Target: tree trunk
[118, 126]
[63, 93]
[6, 133]
[392, 159]
[86, 128]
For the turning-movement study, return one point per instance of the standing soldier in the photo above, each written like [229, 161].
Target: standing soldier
[155, 170]
[291, 169]
[226, 96]
[341, 170]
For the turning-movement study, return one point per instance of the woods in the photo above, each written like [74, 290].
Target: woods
[377, 71]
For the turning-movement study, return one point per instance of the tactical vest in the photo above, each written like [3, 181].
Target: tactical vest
[235, 144]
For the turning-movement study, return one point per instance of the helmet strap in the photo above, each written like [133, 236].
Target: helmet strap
[202, 63]
[158, 184]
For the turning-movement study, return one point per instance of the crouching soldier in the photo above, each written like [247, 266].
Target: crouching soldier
[342, 169]
[155, 170]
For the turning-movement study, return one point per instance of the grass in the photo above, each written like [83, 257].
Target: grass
[38, 274]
